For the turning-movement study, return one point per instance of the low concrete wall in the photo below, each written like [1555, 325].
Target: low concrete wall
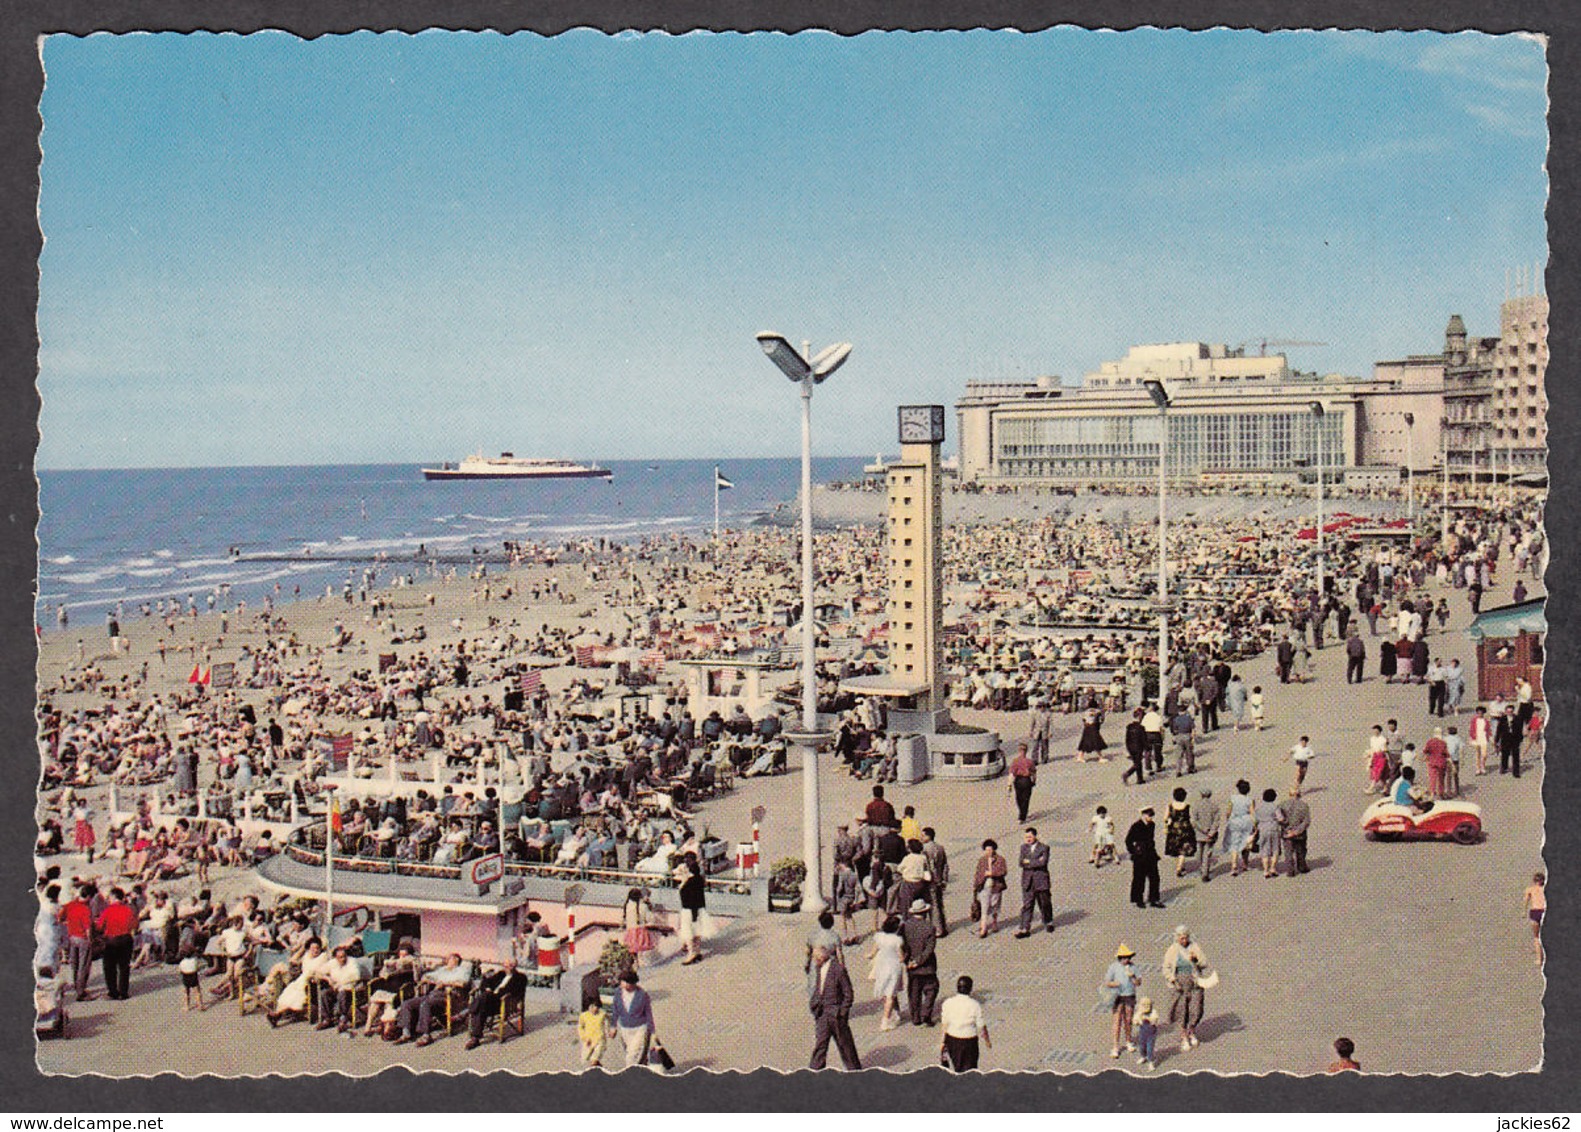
[966, 754]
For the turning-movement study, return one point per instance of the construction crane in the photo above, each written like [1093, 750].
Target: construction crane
[1263, 344]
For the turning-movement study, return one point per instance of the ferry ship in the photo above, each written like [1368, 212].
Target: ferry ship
[507, 466]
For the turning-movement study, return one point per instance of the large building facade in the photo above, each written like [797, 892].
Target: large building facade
[1479, 403]
[1229, 413]
[1520, 391]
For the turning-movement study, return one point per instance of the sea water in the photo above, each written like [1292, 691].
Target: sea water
[129, 536]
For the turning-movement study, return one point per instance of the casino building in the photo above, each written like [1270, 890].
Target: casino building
[1229, 413]
[1479, 403]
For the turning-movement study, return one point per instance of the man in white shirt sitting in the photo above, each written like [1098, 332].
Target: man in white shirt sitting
[962, 1022]
[336, 991]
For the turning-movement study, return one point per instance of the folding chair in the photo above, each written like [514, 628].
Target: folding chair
[513, 1013]
[375, 943]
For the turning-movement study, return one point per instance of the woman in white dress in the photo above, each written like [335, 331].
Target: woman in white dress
[293, 999]
[888, 970]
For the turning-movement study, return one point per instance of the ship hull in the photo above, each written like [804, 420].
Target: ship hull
[457, 474]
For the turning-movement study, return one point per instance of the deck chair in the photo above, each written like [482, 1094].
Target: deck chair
[251, 992]
[513, 1015]
[375, 943]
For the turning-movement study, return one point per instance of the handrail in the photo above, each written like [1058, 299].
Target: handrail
[390, 867]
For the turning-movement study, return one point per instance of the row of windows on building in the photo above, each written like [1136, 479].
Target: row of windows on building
[1128, 446]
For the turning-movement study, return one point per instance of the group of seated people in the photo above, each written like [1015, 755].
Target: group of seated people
[398, 997]
[866, 751]
[612, 832]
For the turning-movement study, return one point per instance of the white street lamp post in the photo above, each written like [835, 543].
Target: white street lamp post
[807, 371]
[1317, 414]
[1160, 396]
[1410, 459]
[1444, 460]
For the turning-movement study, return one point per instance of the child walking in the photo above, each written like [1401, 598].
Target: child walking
[593, 1029]
[1146, 1032]
[191, 983]
[1255, 702]
[1102, 827]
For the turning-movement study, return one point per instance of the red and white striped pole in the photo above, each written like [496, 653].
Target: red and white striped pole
[570, 939]
[757, 849]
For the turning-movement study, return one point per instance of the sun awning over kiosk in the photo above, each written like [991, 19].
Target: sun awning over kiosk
[1509, 621]
[891, 686]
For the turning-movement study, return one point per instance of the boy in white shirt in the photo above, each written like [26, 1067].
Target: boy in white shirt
[1301, 755]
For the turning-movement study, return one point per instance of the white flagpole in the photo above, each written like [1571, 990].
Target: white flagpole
[329, 868]
[716, 502]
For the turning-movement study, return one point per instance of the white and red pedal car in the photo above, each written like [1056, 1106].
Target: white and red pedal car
[1447, 818]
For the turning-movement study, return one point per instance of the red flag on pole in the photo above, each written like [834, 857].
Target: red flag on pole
[197, 675]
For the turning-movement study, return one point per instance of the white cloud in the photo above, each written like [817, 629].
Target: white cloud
[1484, 61]
[1499, 80]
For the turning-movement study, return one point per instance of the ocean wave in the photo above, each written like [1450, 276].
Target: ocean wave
[88, 577]
[76, 602]
[61, 560]
[622, 526]
[164, 554]
[154, 572]
[139, 563]
[198, 563]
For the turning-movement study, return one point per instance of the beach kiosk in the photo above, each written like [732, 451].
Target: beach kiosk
[1509, 648]
[455, 910]
[721, 683]
[479, 908]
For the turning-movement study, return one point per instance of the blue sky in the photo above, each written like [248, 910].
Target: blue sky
[397, 248]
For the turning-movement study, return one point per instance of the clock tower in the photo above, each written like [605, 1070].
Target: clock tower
[916, 555]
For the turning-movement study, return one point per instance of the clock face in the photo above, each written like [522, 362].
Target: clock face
[921, 424]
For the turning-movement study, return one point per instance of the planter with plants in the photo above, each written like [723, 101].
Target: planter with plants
[615, 958]
[785, 881]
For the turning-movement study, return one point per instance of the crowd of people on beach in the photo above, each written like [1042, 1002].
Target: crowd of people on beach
[156, 793]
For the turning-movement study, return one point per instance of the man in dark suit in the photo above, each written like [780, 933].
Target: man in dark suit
[889, 846]
[1140, 844]
[503, 985]
[922, 962]
[1285, 656]
[1507, 737]
[1298, 822]
[1221, 674]
[830, 999]
[1035, 887]
[1355, 657]
[1208, 701]
[1135, 748]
